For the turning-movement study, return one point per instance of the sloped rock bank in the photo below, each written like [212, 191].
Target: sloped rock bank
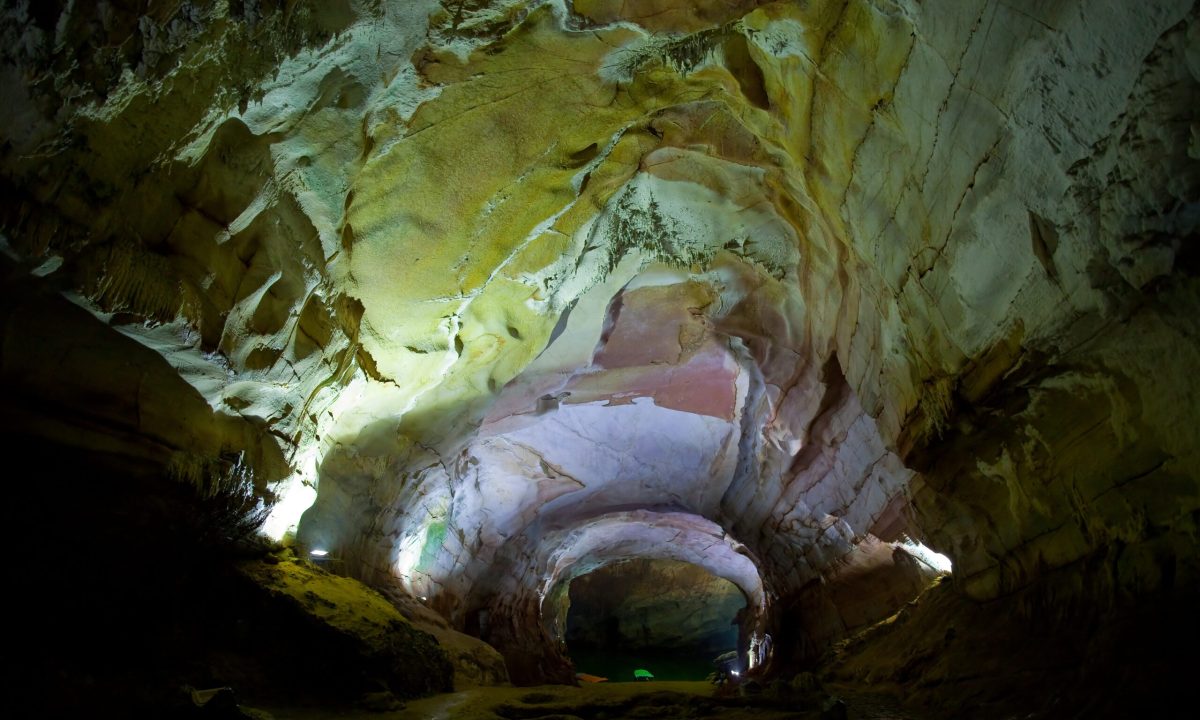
[1053, 652]
[139, 591]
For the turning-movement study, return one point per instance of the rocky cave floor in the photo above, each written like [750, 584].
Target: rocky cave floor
[609, 701]
[937, 658]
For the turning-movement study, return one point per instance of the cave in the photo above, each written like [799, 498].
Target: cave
[434, 358]
[669, 616]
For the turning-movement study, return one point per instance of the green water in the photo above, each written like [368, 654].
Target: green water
[618, 666]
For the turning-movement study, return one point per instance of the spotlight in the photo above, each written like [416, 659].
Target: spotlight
[735, 673]
[318, 553]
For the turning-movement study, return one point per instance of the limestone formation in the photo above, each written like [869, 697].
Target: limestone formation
[489, 294]
[656, 605]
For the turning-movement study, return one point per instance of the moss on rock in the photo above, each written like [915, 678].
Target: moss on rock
[346, 636]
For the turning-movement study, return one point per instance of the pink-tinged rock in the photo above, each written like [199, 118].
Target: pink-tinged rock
[653, 325]
[705, 385]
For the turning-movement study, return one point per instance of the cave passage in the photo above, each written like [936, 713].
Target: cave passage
[669, 617]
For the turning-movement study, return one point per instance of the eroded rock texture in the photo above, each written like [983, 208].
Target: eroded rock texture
[655, 604]
[495, 293]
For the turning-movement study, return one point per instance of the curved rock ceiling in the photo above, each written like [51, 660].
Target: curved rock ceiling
[501, 292]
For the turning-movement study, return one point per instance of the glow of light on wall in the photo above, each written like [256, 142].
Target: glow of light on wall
[298, 491]
[408, 557]
[935, 560]
[760, 650]
[294, 495]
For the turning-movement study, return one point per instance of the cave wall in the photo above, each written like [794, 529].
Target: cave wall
[654, 604]
[465, 280]
[1083, 438]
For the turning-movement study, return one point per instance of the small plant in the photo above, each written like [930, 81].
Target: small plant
[643, 225]
[229, 508]
[683, 53]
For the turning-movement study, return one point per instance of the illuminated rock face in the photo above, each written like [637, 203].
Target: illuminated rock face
[507, 291]
[655, 605]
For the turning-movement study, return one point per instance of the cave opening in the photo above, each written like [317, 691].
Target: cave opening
[667, 617]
